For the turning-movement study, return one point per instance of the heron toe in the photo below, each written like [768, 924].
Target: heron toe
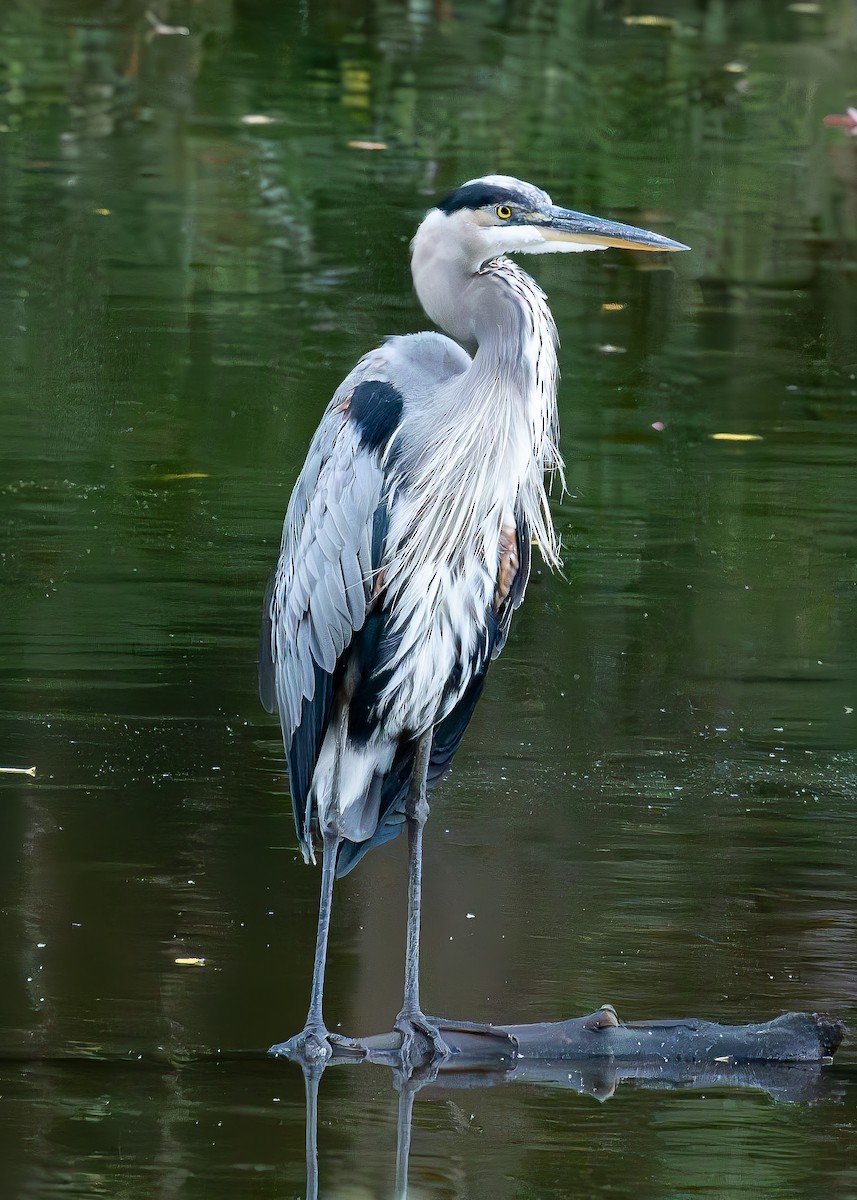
[422, 1041]
[313, 1046]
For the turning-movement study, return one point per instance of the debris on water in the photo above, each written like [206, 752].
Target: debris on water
[31, 771]
[653, 20]
[735, 437]
[159, 29]
[189, 962]
[846, 120]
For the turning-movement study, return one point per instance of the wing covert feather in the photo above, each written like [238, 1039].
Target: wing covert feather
[323, 580]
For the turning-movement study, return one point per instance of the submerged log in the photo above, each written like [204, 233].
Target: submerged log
[793, 1037]
[594, 1053]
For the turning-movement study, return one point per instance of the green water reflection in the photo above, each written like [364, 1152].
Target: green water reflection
[655, 804]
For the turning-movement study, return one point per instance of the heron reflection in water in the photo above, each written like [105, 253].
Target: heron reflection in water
[406, 547]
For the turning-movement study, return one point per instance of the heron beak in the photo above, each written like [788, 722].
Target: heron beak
[564, 225]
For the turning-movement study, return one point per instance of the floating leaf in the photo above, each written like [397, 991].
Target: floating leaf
[735, 437]
[651, 19]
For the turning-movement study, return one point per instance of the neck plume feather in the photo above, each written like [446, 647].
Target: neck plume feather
[486, 446]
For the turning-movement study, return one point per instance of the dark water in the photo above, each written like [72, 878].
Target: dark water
[655, 804]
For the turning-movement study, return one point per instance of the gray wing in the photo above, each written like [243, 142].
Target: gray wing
[319, 594]
[323, 581]
[332, 546]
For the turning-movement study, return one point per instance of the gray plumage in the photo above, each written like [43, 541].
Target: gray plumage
[406, 544]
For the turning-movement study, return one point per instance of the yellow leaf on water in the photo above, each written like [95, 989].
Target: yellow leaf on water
[735, 437]
[358, 145]
[171, 477]
[102, 212]
[651, 19]
[613, 307]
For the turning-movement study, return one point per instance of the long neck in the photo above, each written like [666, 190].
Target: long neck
[502, 410]
[516, 352]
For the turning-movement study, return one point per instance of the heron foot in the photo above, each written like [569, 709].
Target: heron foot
[422, 1042]
[313, 1046]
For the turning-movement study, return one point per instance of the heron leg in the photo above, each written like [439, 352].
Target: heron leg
[412, 1021]
[313, 1043]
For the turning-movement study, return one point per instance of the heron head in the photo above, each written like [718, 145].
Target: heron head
[498, 214]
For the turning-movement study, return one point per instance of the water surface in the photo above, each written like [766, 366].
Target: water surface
[655, 803]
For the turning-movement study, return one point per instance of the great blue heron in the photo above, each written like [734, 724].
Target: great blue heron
[406, 545]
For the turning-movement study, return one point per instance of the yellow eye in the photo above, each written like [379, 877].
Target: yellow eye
[504, 212]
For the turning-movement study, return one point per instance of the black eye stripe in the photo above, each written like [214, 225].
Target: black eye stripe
[480, 195]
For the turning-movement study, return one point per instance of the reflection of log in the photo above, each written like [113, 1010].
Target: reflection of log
[593, 1054]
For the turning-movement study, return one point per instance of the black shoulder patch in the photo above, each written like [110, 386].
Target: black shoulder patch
[478, 195]
[376, 410]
